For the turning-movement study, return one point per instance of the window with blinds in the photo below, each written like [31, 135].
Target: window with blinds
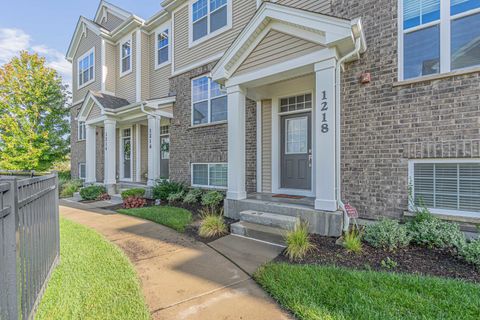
[447, 186]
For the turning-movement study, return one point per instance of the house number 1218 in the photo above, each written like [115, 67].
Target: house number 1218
[324, 110]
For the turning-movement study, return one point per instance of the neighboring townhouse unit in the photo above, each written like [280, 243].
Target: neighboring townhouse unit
[291, 106]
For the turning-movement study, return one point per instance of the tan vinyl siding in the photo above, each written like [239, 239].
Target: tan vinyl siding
[159, 79]
[275, 48]
[146, 53]
[267, 146]
[94, 113]
[144, 151]
[111, 67]
[86, 43]
[112, 22]
[322, 6]
[126, 85]
[243, 11]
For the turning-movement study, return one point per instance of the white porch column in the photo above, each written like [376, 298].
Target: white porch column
[325, 126]
[153, 149]
[110, 155]
[236, 143]
[91, 154]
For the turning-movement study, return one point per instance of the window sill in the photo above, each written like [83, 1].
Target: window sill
[195, 126]
[436, 77]
[86, 84]
[454, 217]
[125, 73]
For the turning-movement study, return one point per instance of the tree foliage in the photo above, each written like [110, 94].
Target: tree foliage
[34, 123]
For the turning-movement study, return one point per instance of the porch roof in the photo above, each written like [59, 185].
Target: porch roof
[334, 34]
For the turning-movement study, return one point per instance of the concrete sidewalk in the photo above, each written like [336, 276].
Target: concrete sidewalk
[181, 278]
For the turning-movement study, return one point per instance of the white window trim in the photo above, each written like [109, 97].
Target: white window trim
[79, 132]
[450, 212]
[162, 28]
[121, 43]
[80, 170]
[445, 38]
[208, 175]
[86, 54]
[209, 100]
[209, 35]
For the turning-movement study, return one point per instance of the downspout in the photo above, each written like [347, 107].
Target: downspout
[359, 44]
[142, 107]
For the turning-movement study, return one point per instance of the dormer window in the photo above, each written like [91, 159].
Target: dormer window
[86, 68]
[125, 56]
[162, 47]
[209, 17]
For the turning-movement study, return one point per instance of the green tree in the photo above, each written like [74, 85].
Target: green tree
[34, 124]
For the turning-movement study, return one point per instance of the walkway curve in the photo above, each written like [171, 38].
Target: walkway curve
[181, 278]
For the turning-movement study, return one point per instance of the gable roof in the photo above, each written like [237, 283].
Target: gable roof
[113, 9]
[324, 30]
[83, 24]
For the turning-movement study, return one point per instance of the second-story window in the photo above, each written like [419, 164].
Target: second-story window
[438, 36]
[163, 53]
[86, 68]
[125, 57]
[209, 101]
[208, 16]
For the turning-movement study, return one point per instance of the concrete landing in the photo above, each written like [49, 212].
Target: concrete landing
[247, 253]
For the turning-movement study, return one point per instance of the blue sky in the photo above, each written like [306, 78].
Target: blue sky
[46, 26]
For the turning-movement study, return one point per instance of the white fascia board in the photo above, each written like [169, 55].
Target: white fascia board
[126, 27]
[157, 20]
[86, 106]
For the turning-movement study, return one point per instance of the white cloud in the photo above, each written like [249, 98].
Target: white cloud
[14, 40]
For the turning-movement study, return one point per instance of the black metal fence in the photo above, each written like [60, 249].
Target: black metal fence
[29, 242]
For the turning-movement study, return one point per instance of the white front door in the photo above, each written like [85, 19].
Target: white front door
[126, 154]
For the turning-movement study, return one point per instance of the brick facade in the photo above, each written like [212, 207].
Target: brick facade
[203, 144]
[385, 124]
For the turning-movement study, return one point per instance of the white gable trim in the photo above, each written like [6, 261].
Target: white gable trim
[87, 106]
[105, 7]
[80, 31]
[314, 27]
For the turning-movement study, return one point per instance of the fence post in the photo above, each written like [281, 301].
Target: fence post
[10, 247]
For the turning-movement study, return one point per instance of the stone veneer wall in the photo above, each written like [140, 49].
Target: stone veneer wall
[205, 144]
[385, 124]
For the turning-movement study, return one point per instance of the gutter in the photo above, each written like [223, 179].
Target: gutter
[360, 44]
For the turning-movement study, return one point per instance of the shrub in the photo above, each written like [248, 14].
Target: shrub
[298, 242]
[164, 188]
[212, 199]
[471, 252]
[68, 188]
[135, 193]
[134, 202]
[193, 196]
[212, 224]
[389, 263]
[429, 231]
[92, 192]
[387, 234]
[176, 197]
[352, 241]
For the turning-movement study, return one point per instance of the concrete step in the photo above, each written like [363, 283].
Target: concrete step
[269, 219]
[259, 232]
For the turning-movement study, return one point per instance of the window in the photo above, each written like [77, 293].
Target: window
[209, 101]
[438, 36]
[82, 171]
[296, 140]
[82, 135]
[163, 51]
[296, 103]
[208, 17]
[449, 186]
[210, 175]
[125, 57]
[86, 68]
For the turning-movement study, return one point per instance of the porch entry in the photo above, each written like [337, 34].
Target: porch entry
[296, 151]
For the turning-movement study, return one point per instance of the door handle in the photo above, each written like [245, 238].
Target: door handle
[309, 160]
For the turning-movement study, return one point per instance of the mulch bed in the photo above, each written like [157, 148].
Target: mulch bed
[413, 259]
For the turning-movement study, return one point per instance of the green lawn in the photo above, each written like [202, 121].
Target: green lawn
[317, 292]
[94, 280]
[175, 218]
